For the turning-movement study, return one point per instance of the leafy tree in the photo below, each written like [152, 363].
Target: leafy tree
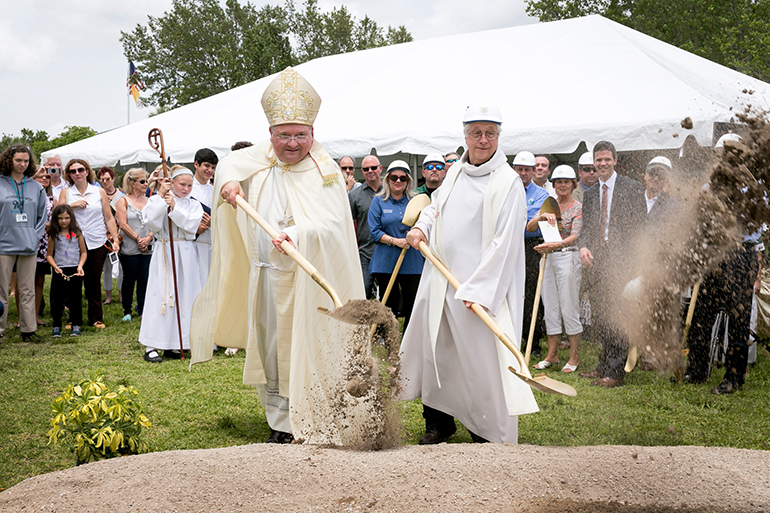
[733, 33]
[38, 140]
[199, 48]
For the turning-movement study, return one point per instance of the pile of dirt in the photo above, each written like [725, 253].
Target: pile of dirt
[446, 477]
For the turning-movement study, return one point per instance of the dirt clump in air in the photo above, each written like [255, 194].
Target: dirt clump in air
[709, 224]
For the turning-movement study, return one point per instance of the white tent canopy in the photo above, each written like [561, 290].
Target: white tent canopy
[557, 84]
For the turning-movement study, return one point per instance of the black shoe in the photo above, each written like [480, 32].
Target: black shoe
[477, 439]
[174, 354]
[152, 356]
[725, 387]
[434, 436]
[280, 437]
[32, 337]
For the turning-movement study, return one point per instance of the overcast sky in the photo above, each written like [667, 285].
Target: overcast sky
[62, 64]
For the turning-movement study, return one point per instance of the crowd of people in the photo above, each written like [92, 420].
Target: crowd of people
[486, 220]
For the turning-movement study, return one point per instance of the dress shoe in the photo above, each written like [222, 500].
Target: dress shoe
[434, 436]
[152, 356]
[280, 437]
[594, 374]
[725, 387]
[477, 439]
[607, 382]
[646, 366]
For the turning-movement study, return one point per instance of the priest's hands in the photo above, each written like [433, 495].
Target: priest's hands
[230, 191]
[277, 242]
[414, 237]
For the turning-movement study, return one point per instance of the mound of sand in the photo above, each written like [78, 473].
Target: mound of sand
[446, 478]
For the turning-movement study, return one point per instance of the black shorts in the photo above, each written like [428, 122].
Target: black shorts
[42, 269]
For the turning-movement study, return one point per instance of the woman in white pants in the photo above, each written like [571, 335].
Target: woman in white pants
[561, 278]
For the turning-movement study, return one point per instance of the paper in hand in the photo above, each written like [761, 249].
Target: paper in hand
[550, 232]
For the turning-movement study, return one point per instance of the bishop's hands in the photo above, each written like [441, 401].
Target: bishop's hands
[230, 191]
[277, 242]
[414, 237]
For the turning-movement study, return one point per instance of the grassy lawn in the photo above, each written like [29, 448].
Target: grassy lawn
[210, 407]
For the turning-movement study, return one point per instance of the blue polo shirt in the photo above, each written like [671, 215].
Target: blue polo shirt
[536, 195]
[385, 219]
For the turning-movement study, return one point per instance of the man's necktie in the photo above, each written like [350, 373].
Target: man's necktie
[604, 211]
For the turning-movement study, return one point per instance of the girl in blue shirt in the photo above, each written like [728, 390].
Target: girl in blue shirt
[385, 215]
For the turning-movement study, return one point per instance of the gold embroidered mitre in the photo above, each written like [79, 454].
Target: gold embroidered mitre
[290, 99]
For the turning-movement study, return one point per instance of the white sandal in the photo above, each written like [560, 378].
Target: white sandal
[569, 368]
[544, 364]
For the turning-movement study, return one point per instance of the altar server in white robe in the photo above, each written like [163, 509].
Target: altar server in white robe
[159, 323]
[205, 165]
[256, 298]
[474, 224]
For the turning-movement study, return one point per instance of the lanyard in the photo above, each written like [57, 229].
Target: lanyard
[16, 190]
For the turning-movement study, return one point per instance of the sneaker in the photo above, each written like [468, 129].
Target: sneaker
[75, 331]
[152, 356]
[99, 325]
[127, 318]
[56, 333]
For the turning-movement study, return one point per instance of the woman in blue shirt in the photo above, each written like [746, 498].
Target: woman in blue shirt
[385, 215]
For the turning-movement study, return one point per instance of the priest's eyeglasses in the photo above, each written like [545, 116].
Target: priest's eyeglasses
[491, 135]
[300, 138]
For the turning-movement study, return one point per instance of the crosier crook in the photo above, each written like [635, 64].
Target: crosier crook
[155, 137]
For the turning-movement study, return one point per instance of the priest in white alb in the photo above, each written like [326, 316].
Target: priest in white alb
[257, 298]
[451, 360]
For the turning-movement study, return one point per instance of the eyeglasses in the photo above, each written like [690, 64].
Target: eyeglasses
[371, 168]
[143, 181]
[347, 168]
[587, 170]
[300, 138]
[74, 171]
[476, 135]
[394, 178]
[431, 167]
[451, 161]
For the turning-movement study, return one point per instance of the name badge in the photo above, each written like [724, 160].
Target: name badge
[387, 210]
[21, 218]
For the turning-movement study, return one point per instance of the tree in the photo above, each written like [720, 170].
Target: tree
[733, 33]
[199, 48]
[38, 141]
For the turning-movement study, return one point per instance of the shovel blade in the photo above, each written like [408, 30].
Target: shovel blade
[545, 384]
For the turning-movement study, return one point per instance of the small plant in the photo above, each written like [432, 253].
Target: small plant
[98, 423]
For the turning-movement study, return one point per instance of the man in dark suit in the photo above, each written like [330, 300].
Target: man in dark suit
[660, 205]
[614, 212]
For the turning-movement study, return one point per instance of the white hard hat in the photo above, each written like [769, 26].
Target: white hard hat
[399, 164]
[727, 137]
[660, 162]
[586, 159]
[482, 113]
[433, 157]
[524, 158]
[563, 171]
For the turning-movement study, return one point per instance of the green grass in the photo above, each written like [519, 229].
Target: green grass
[210, 407]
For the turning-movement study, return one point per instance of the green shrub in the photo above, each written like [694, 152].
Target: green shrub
[99, 423]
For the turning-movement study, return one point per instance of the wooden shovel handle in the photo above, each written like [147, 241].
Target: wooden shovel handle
[291, 251]
[535, 307]
[390, 284]
[478, 310]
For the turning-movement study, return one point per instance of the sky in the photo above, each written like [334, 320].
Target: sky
[62, 64]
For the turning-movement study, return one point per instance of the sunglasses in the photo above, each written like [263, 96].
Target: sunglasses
[346, 168]
[372, 168]
[74, 171]
[451, 161]
[393, 178]
[142, 181]
[431, 167]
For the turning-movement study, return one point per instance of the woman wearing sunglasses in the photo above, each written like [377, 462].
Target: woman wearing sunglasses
[136, 250]
[385, 215]
[94, 216]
